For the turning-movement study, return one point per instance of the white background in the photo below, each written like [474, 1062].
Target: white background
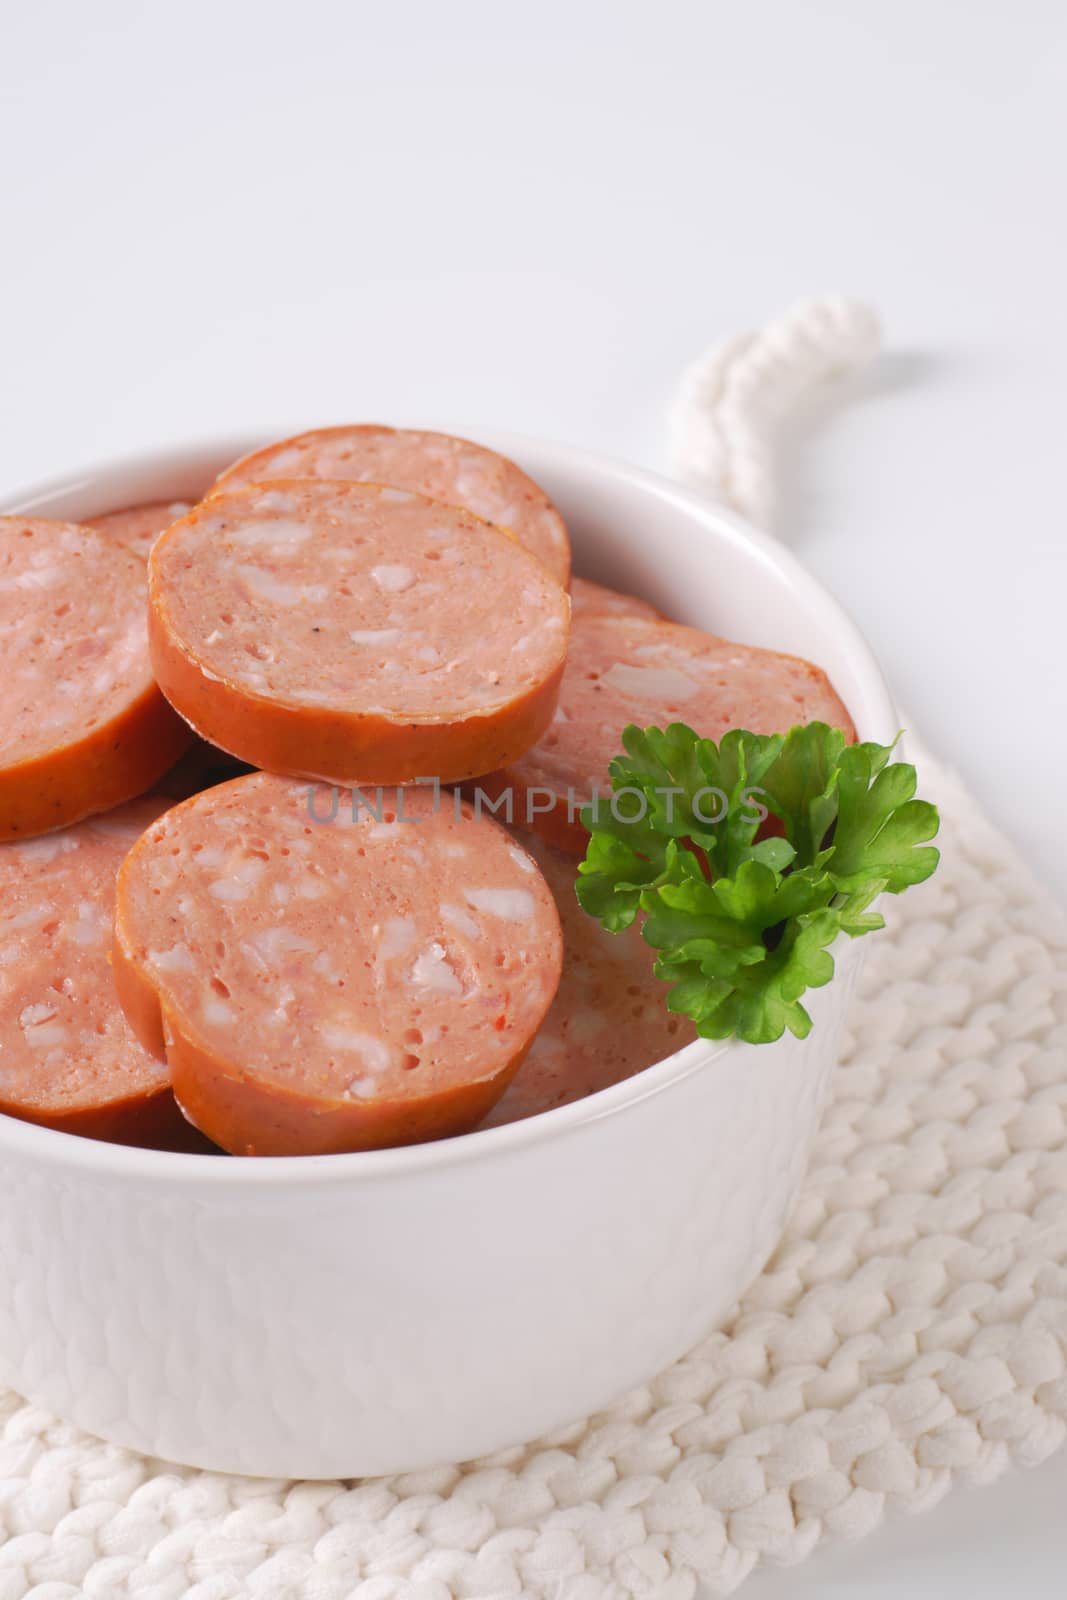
[532, 216]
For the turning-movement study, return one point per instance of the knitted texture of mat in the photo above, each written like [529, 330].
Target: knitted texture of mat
[909, 1332]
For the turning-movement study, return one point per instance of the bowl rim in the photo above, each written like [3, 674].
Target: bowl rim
[131, 1163]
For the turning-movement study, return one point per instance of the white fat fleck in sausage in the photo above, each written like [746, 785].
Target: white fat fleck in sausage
[280, 1012]
[398, 935]
[270, 533]
[211, 856]
[46, 849]
[382, 832]
[179, 958]
[32, 1016]
[231, 891]
[363, 1088]
[312, 889]
[376, 636]
[41, 578]
[461, 920]
[267, 587]
[650, 683]
[284, 463]
[273, 500]
[392, 577]
[30, 918]
[92, 925]
[433, 971]
[268, 947]
[511, 905]
[49, 1034]
[242, 879]
[216, 1012]
[306, 695]
[374, 1052]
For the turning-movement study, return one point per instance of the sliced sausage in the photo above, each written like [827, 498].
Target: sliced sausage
[435, 464]
[589, 599]
[371, 978]
[609, 1018]
[625, 669]
[355, 633]
[138, 527]
[68, 1059]
[84, 725]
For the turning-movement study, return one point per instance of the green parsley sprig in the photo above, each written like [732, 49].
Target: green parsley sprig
[742, 922]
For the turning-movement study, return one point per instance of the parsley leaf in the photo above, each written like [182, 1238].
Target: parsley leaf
[743, 923]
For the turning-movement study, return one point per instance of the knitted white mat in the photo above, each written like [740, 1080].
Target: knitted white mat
[909, 1332]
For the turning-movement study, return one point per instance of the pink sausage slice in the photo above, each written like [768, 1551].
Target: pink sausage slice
[138, 527]
[355, 633]
[589, 599]
[435, 464]
[625, 669]
[68, 1060]
[609, 1018]
[322, 986]
[84, 726]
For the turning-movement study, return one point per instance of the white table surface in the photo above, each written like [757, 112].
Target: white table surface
[222, 216]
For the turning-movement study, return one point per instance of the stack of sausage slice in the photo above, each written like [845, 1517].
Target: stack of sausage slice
[305, 940]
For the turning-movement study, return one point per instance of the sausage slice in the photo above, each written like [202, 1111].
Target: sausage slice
[355, 633]
[68, 1059]
[609, 1018]
[328, 985]
[84, 727]
[435, 464]
[625, 669]
[138, 527]
[589, 599]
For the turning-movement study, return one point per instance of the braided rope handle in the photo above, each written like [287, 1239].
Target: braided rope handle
[733, 398]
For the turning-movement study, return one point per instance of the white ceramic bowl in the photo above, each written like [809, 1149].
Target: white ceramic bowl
[345, 1315]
